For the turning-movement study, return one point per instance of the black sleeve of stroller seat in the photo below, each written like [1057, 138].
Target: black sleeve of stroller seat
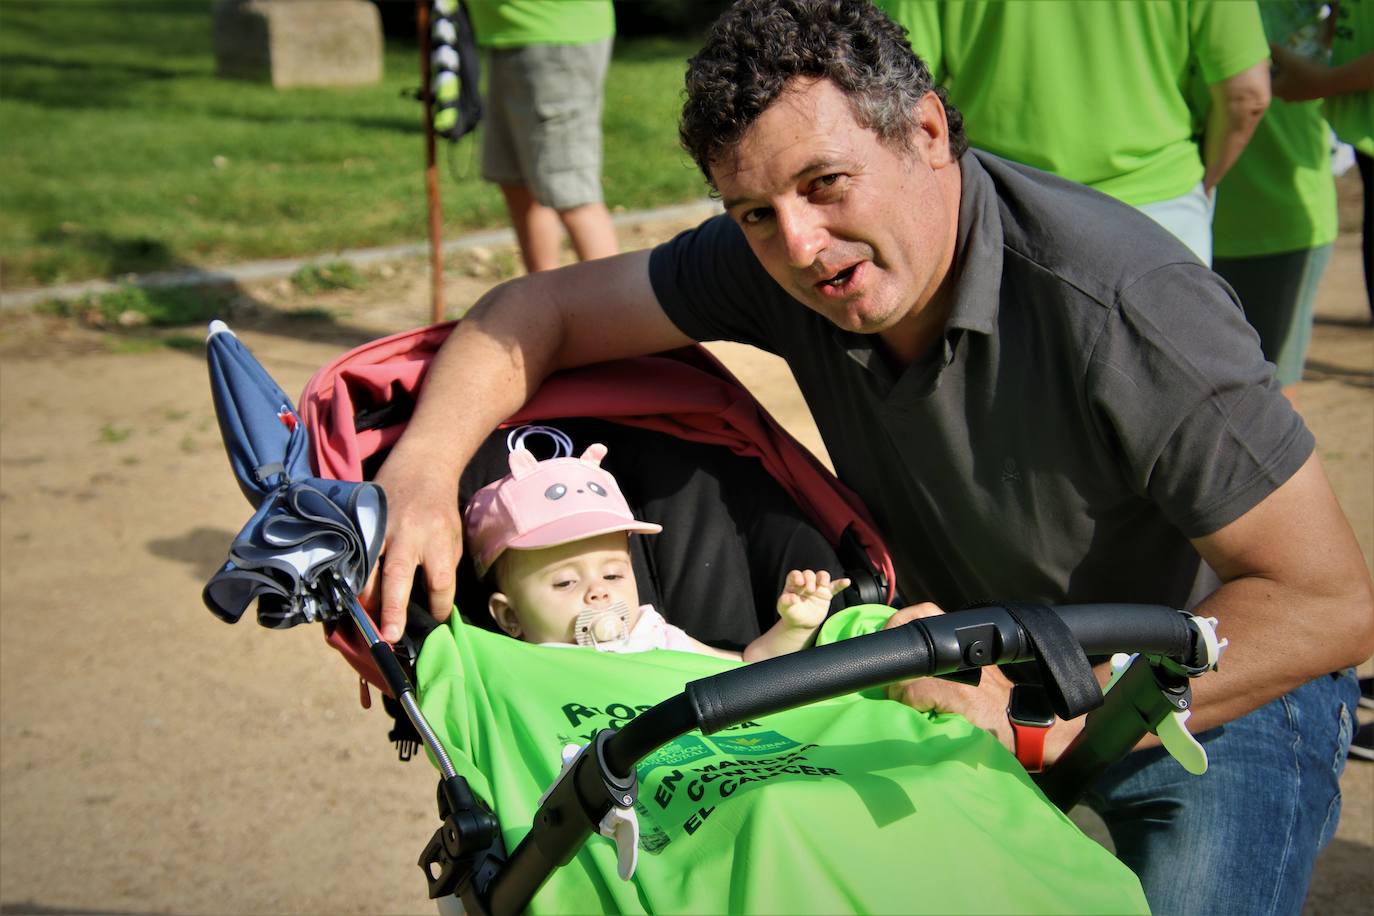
[931, 646]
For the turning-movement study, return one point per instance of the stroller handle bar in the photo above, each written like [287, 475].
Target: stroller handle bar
[926, 647]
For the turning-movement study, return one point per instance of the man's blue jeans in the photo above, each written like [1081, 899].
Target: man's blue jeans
[1242, 837]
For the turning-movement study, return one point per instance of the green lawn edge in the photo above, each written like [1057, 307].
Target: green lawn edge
[122, 153]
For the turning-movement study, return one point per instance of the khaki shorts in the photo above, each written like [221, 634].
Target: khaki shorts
[542, 123]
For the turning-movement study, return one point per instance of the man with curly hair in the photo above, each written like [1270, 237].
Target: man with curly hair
[1039, 393]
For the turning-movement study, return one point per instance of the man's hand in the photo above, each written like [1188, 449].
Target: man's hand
[806, 596]
[423, 530]
[984, 705]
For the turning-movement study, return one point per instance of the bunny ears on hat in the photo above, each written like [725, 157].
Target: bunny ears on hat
[547, 503]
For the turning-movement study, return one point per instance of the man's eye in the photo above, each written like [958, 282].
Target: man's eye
[755, 216]
[826, 183]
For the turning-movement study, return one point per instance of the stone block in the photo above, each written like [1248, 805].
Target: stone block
[298, 42]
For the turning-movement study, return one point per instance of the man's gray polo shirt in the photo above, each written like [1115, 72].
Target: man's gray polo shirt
[1097, 398]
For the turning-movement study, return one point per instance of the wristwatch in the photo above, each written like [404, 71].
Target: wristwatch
[1031, 716]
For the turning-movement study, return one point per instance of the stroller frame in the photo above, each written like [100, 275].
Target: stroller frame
[467, 858]
[466, 855]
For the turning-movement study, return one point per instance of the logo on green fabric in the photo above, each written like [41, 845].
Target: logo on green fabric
[755, 744]
[679, 753]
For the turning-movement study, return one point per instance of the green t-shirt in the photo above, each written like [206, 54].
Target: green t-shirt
[1352, 115]
[1279, 195]
[1093, 91]
[516, 23]
[849, 805]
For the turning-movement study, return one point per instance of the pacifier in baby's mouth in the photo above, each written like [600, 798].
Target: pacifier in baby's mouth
[602, 626]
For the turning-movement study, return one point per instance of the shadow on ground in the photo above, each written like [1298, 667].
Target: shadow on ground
[202, 549]
[1342, 875]
[149, 314]
[32, 908]
[1343, 321]
[112, 255]
[1317, 370]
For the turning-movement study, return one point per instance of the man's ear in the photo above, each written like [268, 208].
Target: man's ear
[504, 615]
[932, 131]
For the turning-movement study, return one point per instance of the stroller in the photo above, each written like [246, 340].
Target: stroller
[738, 497]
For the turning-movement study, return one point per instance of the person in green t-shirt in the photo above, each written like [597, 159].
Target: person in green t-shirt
[541, 142]
[1347, 86]
[1275, 217]
[554, 537]
[1096, 92]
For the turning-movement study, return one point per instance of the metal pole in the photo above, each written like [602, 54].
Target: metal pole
[436, 263]
[392, 673]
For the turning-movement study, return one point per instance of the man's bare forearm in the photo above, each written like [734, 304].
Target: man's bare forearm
[517, 334]
[1297, 602]
[481, 375]
[495, 359]
[489, 367]
[1279, 640]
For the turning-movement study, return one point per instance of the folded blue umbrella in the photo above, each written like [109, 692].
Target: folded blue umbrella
[309, 535]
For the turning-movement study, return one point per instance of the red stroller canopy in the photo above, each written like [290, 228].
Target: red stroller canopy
[685, 393]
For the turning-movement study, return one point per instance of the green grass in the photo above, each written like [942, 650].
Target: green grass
[137, 306]
[122, 152]
[111, 434]
[314, 278]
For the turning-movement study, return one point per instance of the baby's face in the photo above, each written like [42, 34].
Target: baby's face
[549, 587]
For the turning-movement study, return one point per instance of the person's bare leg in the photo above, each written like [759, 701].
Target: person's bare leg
[536, 228]
[593, 234]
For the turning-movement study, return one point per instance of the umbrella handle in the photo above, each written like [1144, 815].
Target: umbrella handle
[392, 672]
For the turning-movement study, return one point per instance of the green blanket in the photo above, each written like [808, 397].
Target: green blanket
[849, 805]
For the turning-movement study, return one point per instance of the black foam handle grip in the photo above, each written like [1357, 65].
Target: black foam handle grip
[930, 646]
[815, 674]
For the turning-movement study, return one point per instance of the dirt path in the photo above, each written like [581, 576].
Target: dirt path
[153, 759]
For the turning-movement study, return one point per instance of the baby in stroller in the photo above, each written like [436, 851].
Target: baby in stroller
[553, 536]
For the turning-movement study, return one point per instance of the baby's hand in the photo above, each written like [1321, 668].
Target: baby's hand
[805, 599]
